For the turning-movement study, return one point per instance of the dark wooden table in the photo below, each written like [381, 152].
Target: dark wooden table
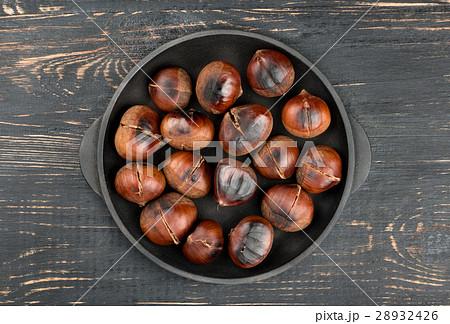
[58, 73]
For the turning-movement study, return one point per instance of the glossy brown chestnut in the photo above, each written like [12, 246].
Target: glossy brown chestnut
[288, 207]
[306, 115]
[234, 183]
[245, 128]
[167, 220]
[277, 158]
[187, 130]
[171, 89]
[139, 183]
[218, 87]
[270, 73]
[205, 243]
[138, 133]
[319, 169]
[188, 173]
[250, 241]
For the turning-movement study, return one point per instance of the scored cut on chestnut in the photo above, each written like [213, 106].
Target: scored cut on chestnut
[167, 220]
[319, 169]
[187, 130]
[270, 73]
[234, 182]
[306, 115]
[277, 158]
[218, 87]
[205, 243]
[288, 207]
[188, 173]
[139, 183]
[250, 241]
[245, 128]
[171, 88]
[138, 134]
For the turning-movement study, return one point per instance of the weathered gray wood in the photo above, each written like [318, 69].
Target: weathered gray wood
[58, 72]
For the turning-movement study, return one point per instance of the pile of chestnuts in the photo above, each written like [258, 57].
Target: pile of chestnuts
[170, 216]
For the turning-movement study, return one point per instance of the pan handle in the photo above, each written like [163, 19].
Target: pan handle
[363, 154]
[88, 156]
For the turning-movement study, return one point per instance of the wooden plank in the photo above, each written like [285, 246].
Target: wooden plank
[58, 72]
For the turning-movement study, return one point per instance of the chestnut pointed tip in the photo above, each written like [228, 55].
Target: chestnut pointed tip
[258, 52]
[304, 92]
[221, 203]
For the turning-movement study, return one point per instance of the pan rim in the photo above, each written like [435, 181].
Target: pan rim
[201, 278]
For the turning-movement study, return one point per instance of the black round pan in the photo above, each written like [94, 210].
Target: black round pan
[100, 162]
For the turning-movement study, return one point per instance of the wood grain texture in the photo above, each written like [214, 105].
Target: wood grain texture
[58, 72]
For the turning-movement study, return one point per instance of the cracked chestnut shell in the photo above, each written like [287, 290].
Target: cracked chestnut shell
[205, 243]
[288, 207]
[218, 87]
[184, 130]
[167, 220]
[306, 115]
[171, 89]
[139, 183]
[245, 128]
[188, 173]
[250, 241]
[319, 169]
[270, 73]
[277, 158]
[138, 133]
[234, 183]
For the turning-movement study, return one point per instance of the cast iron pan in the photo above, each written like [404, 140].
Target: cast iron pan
[100, 162]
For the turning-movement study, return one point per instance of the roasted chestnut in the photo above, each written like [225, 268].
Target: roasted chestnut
[250, 241]
[184, 130]
[218, 87]
[306, 115]
[245, 128]
[138, 134]
[319, 169]
[171, 88]
[270, 73]
[234, 182]
[167, 220]
[139, 183]
[277, 158]
[205, 243]
[288, 207]
[188, 173]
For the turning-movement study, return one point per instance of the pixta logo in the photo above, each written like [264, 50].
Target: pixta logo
[143, 148]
